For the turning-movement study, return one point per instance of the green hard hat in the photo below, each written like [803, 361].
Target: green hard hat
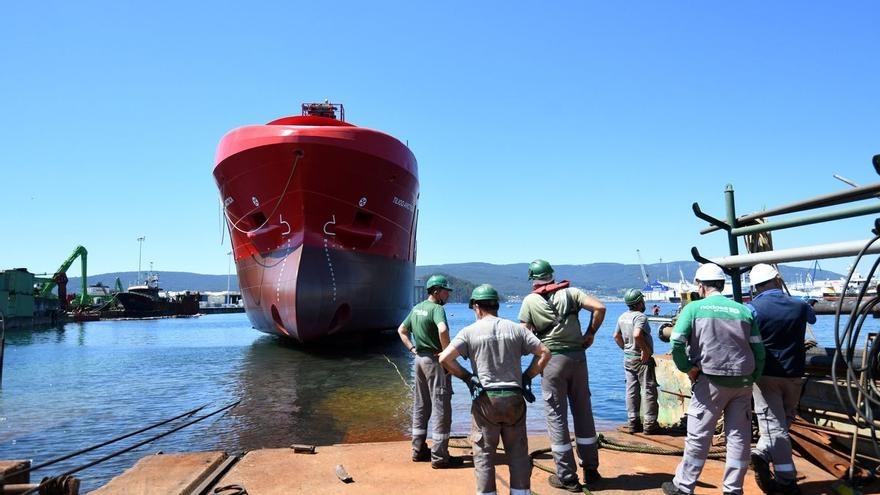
[437, 281]
[483, 292]
[632, 296]
[539, 269]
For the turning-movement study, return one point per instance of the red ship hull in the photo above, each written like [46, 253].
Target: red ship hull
[322, 217]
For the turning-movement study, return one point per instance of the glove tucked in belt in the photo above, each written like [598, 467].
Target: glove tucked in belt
[527, 388]
[474, 385]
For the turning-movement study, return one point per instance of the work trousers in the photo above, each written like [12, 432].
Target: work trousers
[708, 401]
[640, 376]
[565, 383]
[776, 401]
[501, 418]
[433, 394]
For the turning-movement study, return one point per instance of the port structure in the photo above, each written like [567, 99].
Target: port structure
[752, 224]
[60, 279]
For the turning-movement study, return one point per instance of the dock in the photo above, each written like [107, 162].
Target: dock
[386, 467]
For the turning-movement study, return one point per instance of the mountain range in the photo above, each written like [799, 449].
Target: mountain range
[607, 279]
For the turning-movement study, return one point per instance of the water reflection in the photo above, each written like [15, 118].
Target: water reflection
[322, 395]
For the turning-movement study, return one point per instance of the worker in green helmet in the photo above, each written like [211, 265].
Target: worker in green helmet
[499, 388]
[551, 312]
[433, 385]
[633, 335]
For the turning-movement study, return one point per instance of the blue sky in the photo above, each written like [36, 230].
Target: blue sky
[577, 132]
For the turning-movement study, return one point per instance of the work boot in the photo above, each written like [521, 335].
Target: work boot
[669, 488]
[571, 486]
[423, 455]
[652, 429]
[451, 462]
[630, 428]
[763, 476]
[591, 475]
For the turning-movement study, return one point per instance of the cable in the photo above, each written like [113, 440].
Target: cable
[299, 154]
[858, 378]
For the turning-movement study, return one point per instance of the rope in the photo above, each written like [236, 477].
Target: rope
[230, 490]
[603, 443]
[405, 383]
[299, 154]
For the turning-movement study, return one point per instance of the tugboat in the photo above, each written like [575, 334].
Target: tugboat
[322, 217]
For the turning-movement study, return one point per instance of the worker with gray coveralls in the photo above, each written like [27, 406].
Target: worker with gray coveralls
[433, 389]
[633, 335]
[498, 387]
[551, 311]
[783, 322]
[716, 341]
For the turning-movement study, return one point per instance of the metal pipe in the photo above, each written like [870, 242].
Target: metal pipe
[730, 207]
[788, 223]
[142, 443]
[840, 197]
[818, 252]
[102, 444]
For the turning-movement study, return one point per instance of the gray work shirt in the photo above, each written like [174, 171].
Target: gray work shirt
[626, 325]
[495, 347]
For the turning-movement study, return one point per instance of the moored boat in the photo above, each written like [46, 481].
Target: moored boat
[322, 218]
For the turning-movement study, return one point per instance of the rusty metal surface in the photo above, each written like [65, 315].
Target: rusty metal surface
[818, 447]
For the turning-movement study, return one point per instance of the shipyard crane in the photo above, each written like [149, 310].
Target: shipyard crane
[644, 272]
[60, 279]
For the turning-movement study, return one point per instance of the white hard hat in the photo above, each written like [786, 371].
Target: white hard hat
[761, 273]
[709, 271]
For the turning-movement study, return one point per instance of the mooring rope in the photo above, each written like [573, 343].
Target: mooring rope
[405, 383]
[234, 224]
[604, 443]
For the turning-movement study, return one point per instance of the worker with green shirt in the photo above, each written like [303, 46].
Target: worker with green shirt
[433, 390]
[551, 311]
[633, 336]
[716, 341]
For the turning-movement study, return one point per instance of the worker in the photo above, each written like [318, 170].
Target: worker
[782, 321]
[551, 312]
[498, 386]
[716, 341]
[633, 335]
[433, 389]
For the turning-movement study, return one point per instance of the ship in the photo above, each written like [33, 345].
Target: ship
[149, 300]
[322, 217]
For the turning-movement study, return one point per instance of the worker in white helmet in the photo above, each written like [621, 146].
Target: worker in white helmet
[783, 322]
[716, 341]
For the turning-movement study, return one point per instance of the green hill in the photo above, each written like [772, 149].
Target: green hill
[607, 279]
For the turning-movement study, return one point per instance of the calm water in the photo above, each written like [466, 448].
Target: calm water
[65, 389]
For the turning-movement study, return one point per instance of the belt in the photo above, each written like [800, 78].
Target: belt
[566, 350]
[503, 392]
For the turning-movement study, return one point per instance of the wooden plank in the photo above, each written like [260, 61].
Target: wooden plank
[11, 466]
[165, 474]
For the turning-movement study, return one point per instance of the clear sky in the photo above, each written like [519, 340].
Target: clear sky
[573, 131]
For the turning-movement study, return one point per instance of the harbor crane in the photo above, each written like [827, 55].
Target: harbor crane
[60, 279]
[642, 266]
